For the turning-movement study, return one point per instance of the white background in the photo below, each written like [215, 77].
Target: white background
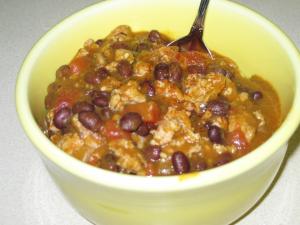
[28, 195]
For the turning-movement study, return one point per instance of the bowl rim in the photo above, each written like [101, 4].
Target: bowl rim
[143, 183]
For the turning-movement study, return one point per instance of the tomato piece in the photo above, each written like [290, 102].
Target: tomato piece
[238, 139]
[79, 64]
[112, 132]
[149, 111]
[66, 98]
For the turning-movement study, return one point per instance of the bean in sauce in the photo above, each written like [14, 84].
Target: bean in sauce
[218, 107]
[215, 134]
[125, 68]
[90, 120]
[83, 107]
[154, 36]
[63, 71]
[143, 130]
[130, 121]
[161, 71]
[62, 118]
[180, 163]
[148, 88]
[256, 95]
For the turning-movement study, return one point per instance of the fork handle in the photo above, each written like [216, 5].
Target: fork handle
[198, 24]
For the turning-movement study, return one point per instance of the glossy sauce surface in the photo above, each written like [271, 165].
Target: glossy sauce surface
[130, 104]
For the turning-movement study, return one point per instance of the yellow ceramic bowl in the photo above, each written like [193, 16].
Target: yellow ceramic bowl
[217, 196]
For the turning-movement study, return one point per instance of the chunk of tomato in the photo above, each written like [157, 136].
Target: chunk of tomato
[113, 132]
[66, 98]
[149, 111]
[237, 138]
[79, 64]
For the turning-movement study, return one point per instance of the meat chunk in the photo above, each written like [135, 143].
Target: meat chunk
[128, 93]
[175, 128]
[124, 54]
[109, 84]
[201, 89]
[168, 54]
[230, 90]
[100, 60]
[70, 143]
[169, 90]
[260, 117]
[128, 157]
[243, 121]
[121, 33]
[142, 69]
[51, 128]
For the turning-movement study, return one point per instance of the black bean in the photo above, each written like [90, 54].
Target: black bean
[83, 107]
[95, 94]
[62, 118]
[100, 98]
[180, 163]
[102, 72]
[215, 134]
[224, 158]
[93, 77]
[223, 72]
[63, 71]
[106, 113]
[218, 107]
[142, 46]
[97, 76]
[175, 72]
[90, 120]
[154, 36]
[99, 42]
[196, 69]
[148, 88]
[151, 126]
[101, 101]
[130, 121]
[152, 153]
[161, 71]
[109, 162]
[125, 68]
[143, 130]
[256, 95]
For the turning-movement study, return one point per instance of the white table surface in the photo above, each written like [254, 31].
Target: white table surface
[28, 195]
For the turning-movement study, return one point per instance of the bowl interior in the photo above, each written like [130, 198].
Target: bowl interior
[232, 30]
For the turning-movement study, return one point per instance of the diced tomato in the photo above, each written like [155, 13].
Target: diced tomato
[149, 111]
[112, 132]
[79, 64]
[66, 98]
[238, 139]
